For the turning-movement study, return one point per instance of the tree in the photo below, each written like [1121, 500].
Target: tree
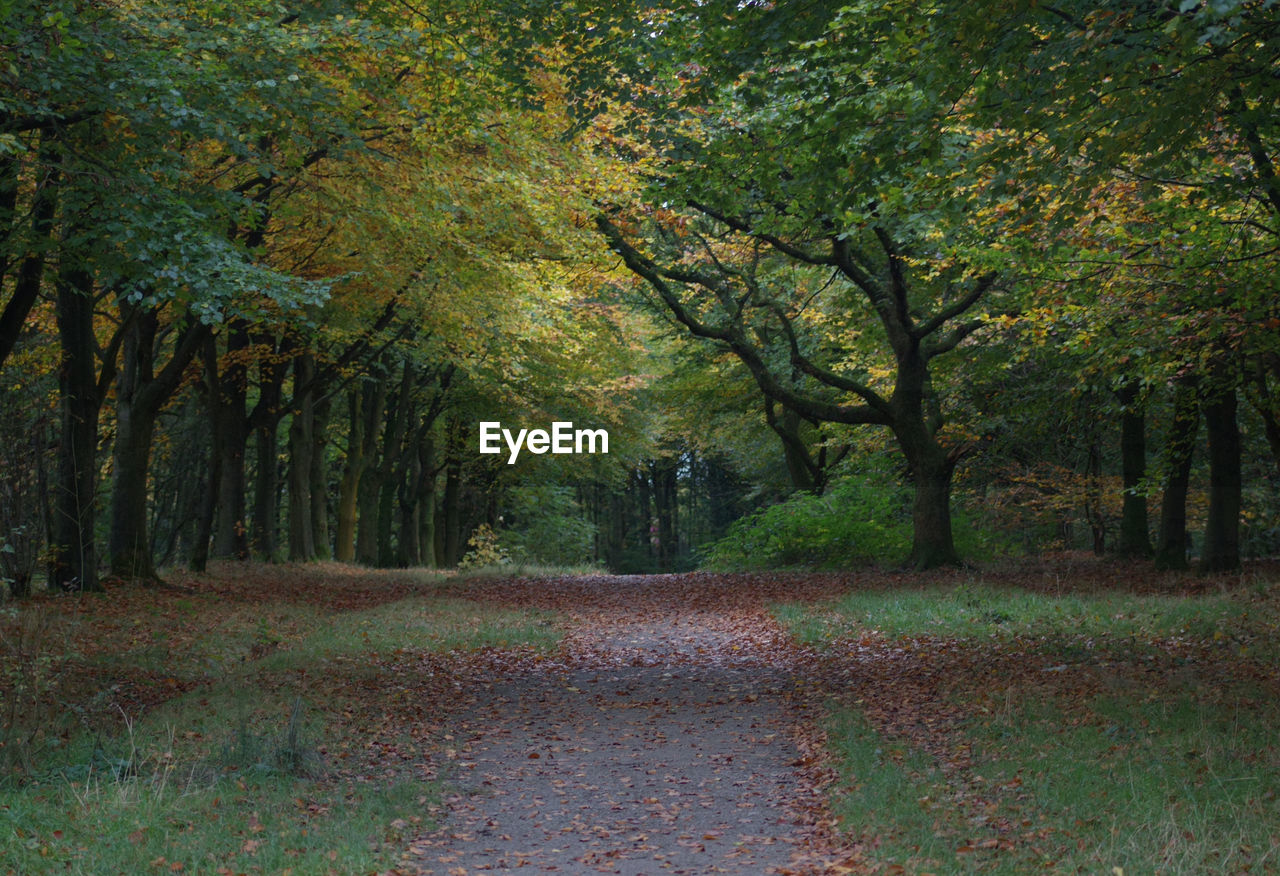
[795, 218]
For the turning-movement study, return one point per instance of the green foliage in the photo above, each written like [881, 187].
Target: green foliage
[865, 518]
[548, 527]
[854, 523]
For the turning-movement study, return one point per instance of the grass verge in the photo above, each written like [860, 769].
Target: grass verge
[994, 730]
[265, 720]
[974, 610]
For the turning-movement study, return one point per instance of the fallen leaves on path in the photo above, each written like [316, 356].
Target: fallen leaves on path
[666, 734]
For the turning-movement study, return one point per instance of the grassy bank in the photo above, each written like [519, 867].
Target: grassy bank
[260, 719]
[1003, 729]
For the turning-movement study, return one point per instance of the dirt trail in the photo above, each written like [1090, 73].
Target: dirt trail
[663, 742]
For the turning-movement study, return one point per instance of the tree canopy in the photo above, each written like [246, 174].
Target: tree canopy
[264, 270]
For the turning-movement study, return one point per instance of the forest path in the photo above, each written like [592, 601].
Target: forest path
[666, 738]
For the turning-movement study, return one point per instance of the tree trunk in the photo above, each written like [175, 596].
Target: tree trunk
[42, 482]
[1093, 503]
[1173, 543]
[932, 467]
[932, 542]
[368, 503]
[399, 409]
[453, 543]
[1221, 552]
[368, 494]
[10, 178]
[417, 497]
[386, 524]
[344, 550]
[615, 542]
[800, 464]
[301, 447]
[128, 544]
[1135, 536]
[264, 541]
[409, 546]
[210, 391]
[75, 552]
[321, 410]
[231, 422]
[663, 472]
[264, 422]
[141, 394]
[427, 500]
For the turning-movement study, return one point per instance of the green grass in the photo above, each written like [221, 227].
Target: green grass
[263, 767]
[301, 637]
[982, 611]
[522, 569]
[1160, 758]
[885, 792]
[1175, 784]
[1176, 788]
[161, 824]
[282, 636]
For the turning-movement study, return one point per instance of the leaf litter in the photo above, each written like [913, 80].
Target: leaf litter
[675, 728]
[671, 733]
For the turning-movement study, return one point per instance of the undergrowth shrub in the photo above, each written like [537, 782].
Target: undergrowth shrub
[861, 520]
[485, 550]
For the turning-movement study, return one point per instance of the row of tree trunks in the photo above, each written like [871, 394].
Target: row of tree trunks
[1217, 401]
[389, 510]
[146, 358]
[649, 522]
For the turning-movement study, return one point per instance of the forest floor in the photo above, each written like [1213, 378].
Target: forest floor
[1065, 716]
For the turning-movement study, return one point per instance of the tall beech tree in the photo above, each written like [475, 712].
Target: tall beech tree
[833, 156]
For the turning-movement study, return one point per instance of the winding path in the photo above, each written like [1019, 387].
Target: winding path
[664, 741]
